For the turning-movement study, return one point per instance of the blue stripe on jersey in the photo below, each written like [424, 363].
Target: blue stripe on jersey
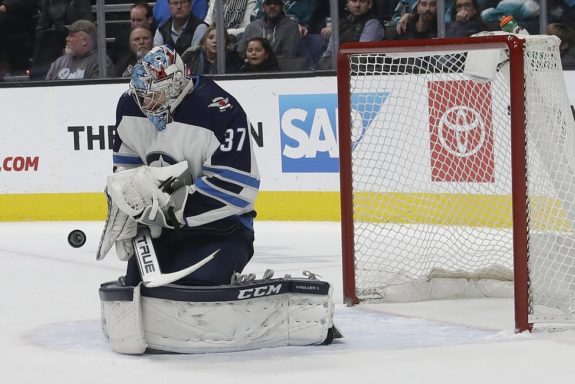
[229, 199]
[247, 221]
[235, 176]
[121, 159]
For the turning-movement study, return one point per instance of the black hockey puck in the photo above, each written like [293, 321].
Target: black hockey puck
[76, 238]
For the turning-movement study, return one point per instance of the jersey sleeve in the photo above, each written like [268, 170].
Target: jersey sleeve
[230, 179]
[124, 155]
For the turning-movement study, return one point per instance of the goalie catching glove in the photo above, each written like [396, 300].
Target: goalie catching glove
[152, 196]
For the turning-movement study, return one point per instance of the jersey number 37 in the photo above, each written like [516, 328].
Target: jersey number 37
[234, 140]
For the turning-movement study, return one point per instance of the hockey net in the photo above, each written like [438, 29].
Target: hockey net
[458, 173]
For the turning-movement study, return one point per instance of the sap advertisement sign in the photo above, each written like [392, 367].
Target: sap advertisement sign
[309, 133]
[309, 129]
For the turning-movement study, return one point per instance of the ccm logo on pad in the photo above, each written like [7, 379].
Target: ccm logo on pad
[265, 290]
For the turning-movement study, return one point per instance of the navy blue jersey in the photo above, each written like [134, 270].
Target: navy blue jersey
[209, 130]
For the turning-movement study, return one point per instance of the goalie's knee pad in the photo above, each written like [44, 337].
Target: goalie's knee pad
[245, 315]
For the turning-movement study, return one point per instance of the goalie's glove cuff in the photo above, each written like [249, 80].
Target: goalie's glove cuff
[153, 216]
[171, 217]
[178, 204]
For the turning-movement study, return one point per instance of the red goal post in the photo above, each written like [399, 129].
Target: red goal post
[457, 173]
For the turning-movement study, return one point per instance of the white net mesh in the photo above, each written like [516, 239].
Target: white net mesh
[431, 177]
[551, 184]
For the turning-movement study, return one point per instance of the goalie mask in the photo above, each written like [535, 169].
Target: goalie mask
[159, 83]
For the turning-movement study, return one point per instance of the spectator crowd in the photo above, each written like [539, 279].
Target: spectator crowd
[58, 39]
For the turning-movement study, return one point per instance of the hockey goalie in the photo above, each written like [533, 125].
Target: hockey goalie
[181, 210]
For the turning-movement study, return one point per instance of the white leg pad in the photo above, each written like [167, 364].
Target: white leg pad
[122, 322]
[310, 317]
[187, 327]
[258, 314]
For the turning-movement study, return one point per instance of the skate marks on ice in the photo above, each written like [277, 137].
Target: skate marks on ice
[309, 244]
[281, 256]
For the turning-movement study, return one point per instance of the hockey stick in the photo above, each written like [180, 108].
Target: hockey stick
[152, 276]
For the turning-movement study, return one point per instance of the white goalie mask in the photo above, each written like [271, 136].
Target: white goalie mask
[159, 83]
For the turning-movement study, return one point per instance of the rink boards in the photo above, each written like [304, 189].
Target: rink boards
[55, 148]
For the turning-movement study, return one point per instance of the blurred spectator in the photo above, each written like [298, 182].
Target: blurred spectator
[467, 19]
[183, 30]
[320, 30]
[360, 25]
[409, 6]
[300, 11]
[402, 7]
[522, 10]
[385, 10]
[202, 60]
[55, 14]
[80, 60]
[259, 56]
[320, 22]
[321, 16]
[421, 24]
[141, 42]
[567, 46]
[562, 11]
[236, 15]
[140, 16]
[526, 12]
[17, 25]
[51, 31]
[162, 12]
[282, 32]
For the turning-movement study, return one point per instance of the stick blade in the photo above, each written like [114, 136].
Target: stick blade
[167, 278]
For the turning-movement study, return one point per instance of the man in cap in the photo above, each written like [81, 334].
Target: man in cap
[80, 60]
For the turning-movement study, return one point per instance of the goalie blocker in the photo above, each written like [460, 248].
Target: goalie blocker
[242, 316]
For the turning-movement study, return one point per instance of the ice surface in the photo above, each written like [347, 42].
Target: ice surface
[50, 329]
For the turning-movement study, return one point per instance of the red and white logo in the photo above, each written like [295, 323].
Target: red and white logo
[221, 103]
[461, 135]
